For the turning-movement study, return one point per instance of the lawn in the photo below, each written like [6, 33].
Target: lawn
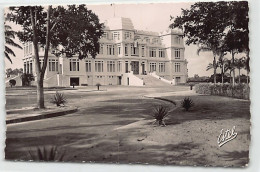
[115, 127]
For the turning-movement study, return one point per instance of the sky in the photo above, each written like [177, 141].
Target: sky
[151, 17]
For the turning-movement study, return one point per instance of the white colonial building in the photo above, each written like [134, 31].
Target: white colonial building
[126, 56]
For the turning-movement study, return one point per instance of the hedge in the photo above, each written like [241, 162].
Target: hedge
[240, 91]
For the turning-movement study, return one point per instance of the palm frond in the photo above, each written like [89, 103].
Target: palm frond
[9, 51]
[8, 57]
[12, 43]
[210, 66]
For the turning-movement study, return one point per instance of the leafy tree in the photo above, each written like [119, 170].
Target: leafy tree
[9, 36]
[237, 39]
[16, 71]
[204, 25]
[218, 27]
[70, 31]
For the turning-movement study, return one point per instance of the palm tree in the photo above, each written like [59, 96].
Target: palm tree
[214, 64]
[9, 36]
[221, 62]
[217, 51]
[239, 64]
[228, 66]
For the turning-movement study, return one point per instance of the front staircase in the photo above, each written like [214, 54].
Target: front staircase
[152, 81]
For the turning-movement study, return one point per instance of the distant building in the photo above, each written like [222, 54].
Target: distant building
[125, 55]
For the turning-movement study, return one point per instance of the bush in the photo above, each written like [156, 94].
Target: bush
[159, 114]
[26, 79]
[58, 99]
[46, 154]
[98, 85]
[12, 82]
[240, 91]
[187, 103]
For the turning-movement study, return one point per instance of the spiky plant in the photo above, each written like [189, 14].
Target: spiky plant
[58, 99]
[46, 154]
[159, 114]
[187, 103]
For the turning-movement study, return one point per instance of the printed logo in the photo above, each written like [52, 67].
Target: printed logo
[226, 136]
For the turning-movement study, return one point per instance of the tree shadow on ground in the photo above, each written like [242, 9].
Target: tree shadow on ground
[240, 158]
[25, 144]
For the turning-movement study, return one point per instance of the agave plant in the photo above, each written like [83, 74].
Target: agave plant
[46, 154]
[187, 103]
[58, 99]
[160, 113]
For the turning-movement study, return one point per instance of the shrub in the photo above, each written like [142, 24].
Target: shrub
[12, 82]
[58, 99]
[46, 154]
[241, 91]
[98, 85]
[187, 103]
[159, 114]
[26, 79]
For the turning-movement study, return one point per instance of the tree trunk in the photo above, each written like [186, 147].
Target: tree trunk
[239, 75]
[40, 71]
[247, 77]
[230, 77]
[40, 94]
[222, 74]
[233, 63]
[215, 70]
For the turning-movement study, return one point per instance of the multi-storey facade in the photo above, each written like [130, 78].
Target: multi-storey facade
[124, 53]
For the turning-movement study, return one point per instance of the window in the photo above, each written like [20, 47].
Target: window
[134, 50]
[101, 48]
[88, 66]
[177, 40]
[28, 67]
[152, 67]
[119, 49]
[31, 67]
[177, 53]
[152, 52]
[110, 50]
[177, 67]
[147, 40]
[24, 67]
[119, 66]
[161, 67]
[126, 49]
[98, 66]
[53, 65]
[161, 53]
[143, 52]
[128, 35]
[110, 66]
[74, 65]
[115, 36]
[155, 40]
[105, 35]
[30, 48]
